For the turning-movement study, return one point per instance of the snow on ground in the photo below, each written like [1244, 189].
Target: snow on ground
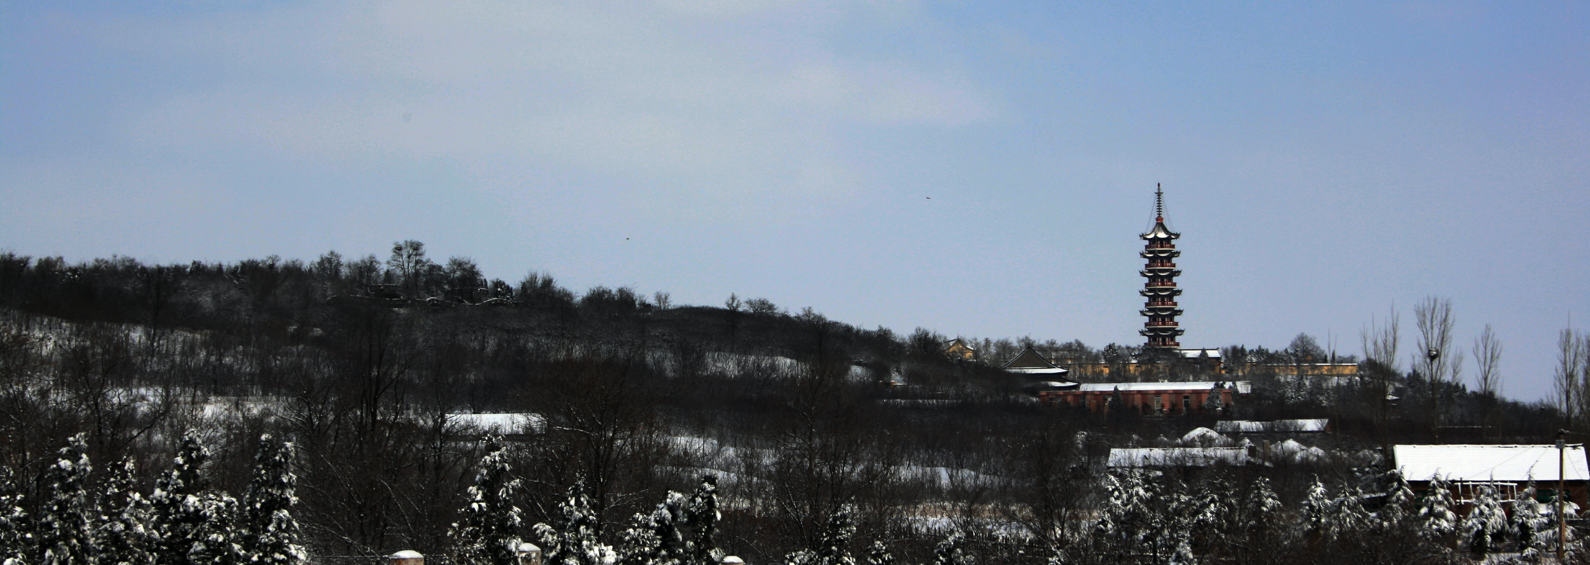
[501, 424]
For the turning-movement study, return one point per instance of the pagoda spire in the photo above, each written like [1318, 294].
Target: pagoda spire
[1159, 203]
[1160, 290]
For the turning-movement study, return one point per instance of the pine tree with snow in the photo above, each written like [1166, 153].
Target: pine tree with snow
[488, 534]
[1213, 404]
[702, 515]
[181, 517]
[1546, 533]
[1128, 517]
[1256, 522]
[1349, 514]
[122, 531]
[1484, 522]
[65, 526]
[1528, 518]
[1399, 502]
[1116, 405]
[879, 554]
[1209, 515]
[638, 543]
[216, 540]
[575, 540]
[951, 552]
[830, 548]
[269, 531]
[16, 527]
[655, 539]
[1169, 535]
[1317, 514]
[1435, 512]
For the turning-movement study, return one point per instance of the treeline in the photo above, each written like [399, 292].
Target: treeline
[365, 364]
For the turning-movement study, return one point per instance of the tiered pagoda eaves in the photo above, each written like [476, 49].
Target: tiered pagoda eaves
[1160, 290]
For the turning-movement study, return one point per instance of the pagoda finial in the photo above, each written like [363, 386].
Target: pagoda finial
[1159, 203]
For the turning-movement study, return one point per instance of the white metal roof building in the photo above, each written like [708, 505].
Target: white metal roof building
[1489, 463]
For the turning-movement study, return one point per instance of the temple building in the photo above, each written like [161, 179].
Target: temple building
[1160, 290]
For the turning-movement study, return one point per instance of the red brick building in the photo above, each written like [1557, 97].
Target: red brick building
[1151, 399]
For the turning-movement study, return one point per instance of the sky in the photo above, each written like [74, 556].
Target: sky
[979, 169]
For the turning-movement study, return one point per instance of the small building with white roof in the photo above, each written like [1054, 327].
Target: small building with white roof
[1507, 468]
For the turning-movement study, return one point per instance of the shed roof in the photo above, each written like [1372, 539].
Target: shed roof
[1511, 463]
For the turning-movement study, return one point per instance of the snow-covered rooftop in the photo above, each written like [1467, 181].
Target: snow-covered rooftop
[1273, 426]
[1176, 456]
[1511, 463]
[1037, 371]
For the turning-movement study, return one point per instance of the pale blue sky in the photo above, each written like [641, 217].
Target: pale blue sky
[976, 168]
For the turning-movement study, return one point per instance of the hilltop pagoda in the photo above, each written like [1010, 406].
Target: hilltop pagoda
[1160, 290]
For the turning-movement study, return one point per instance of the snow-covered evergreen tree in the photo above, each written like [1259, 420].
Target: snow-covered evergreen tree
[122, 531]
[1116, 405]
[830, 548]
[879, 554]
[1528, 519]
[1349, 514]
[65, 526]
[1213, 404]
[1399, 502]
[655, 539]
[216, 540]
[1484, 522]
[16, 529]
[1546, 533]
[1435, 511]
[575, 540]
[703, 518]
[182, 517]
[269, 531]
[638, 544]
[1259, 503]
[1255, 524]
[1209, 514]
[950, 552]
[1169, 534]
[1128, 516]
[1317, 515]
[489, 531]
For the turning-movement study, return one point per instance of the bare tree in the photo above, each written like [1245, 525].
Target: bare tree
[1570, 360]
[1487, 358]
[409, 262]
[1380, 341]
[1434, 358]
[1433, 316]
